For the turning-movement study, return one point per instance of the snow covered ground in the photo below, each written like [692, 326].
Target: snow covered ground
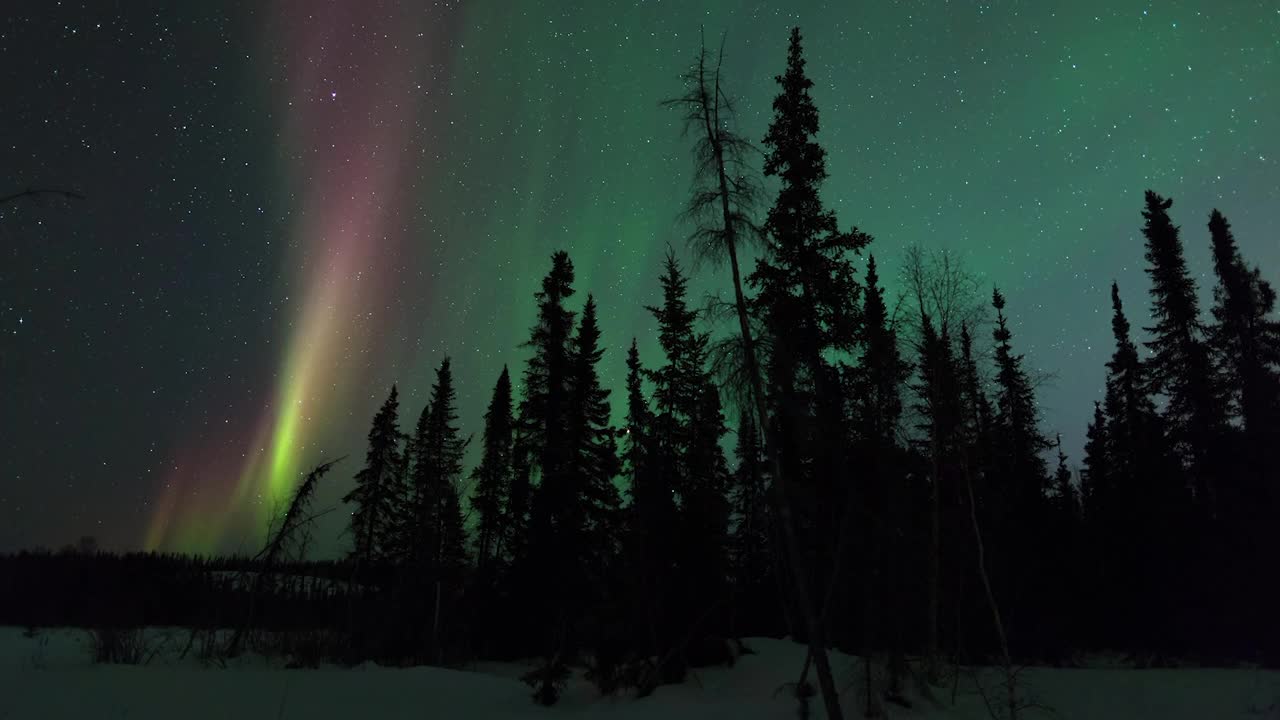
[50, 676]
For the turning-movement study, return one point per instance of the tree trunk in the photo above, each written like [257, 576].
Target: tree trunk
[435, 627]
[813, 625]
[935, 552]
[1010, 681]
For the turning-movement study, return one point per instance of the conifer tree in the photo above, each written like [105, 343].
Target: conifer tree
[651, 546]
[638, 416]
[1020, 484]
[750, 521]
[882, 372]
[438, 452]
[593, 463]
[806, 285]
[1245, 341]
[1016, 419]
[977, 406]
[687, 427]
[543, 453]
[541, 423]
[492, 497]
[1066, 498]
[1180, 366]
[873, 512]
[439, 537]
[373, 495]
[1095, 475]
[1136, 493]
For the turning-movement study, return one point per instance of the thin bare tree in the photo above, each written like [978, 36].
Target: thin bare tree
[721, 206]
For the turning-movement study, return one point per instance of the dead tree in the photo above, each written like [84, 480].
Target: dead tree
[288, 536]
[724, 196]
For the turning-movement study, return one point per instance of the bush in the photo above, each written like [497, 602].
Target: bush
[121, 646]
[547, 681]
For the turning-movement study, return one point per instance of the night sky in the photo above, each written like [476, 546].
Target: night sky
[290, 205]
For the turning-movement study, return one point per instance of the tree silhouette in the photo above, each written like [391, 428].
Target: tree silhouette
[492, 498]
[373, 516]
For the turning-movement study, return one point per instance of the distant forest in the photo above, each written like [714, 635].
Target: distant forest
[893, 494]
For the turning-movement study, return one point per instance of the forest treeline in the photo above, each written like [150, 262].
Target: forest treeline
[892, 492]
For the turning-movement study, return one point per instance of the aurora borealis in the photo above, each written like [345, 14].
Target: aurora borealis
[291, 205]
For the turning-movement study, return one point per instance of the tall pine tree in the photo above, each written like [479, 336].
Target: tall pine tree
[492, 497]
[687, 428]
[543, 452]
[439, 540]
[593, 463]
[1244, 340]
[1180, 367]
[1019, 484]
[806, 291]
[372, 519]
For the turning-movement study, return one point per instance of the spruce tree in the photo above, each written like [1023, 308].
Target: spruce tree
[1064, 580]
[373, 495]
[1021, 441]
[687, 428]
[539, 445]
[650, 544]
[1065, 496]
[1138, 497]
[638, 419]
[437, 468]
[1095, 475]
[440, 540]
[978, 413]
[806, 284]
[751, 533]
[881, 372]
[593, 463]
[1019, 485]
[1244, 340]
[491, 499]
[1180, 366]
[873, 515]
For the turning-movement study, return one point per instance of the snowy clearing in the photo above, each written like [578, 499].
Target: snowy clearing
[49, 675]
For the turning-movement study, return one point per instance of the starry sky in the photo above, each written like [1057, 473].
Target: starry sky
[289, 205]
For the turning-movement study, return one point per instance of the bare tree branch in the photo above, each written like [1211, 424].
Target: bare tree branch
[37, 193]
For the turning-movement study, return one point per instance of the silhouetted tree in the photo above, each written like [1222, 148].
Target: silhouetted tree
[492, 497]
[687, 428]
[876, 497]
[638, 419]
[593, 463]
[806, 291]
[1137, 497]
[942, 295]
[1245, 336]
[1180, 366]
[439, 537]
[750, 537]
[1019, 485]
[373, 494]
[1095, 475]
[542, 462]
[1244, 341]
